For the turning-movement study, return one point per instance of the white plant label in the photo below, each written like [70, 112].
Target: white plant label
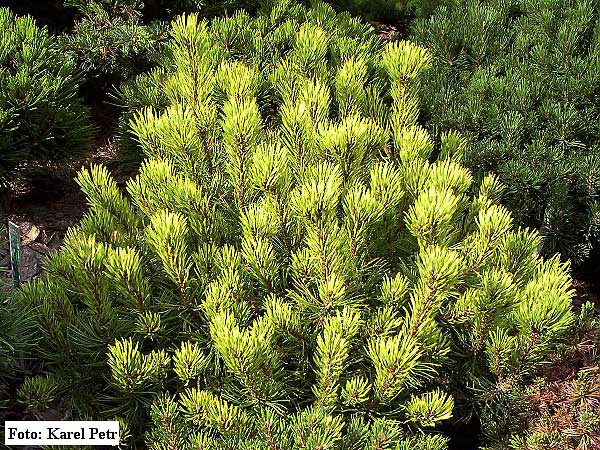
[61, 433]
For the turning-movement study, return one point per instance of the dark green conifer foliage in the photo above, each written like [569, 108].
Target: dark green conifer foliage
[42, 118]
[394, 12]
[291, 268]
[111, 40]
[16, 336]
[114, 40]
[522, 77]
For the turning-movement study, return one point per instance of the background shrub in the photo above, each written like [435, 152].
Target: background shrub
[116, 39]
[292, 267]
[522, 77]
[42, 118]
[110, 39]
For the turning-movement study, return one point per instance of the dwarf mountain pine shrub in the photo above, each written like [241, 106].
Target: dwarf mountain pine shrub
[42, 118]
[292, 268]
[522, 78]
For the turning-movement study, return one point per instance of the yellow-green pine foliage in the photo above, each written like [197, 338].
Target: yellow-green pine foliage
[296, 265]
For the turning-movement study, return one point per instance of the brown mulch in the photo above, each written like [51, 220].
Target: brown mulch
[587, 291]
[387, 31]
[562, 412]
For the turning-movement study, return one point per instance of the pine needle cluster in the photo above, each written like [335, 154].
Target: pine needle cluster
[110, 39]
